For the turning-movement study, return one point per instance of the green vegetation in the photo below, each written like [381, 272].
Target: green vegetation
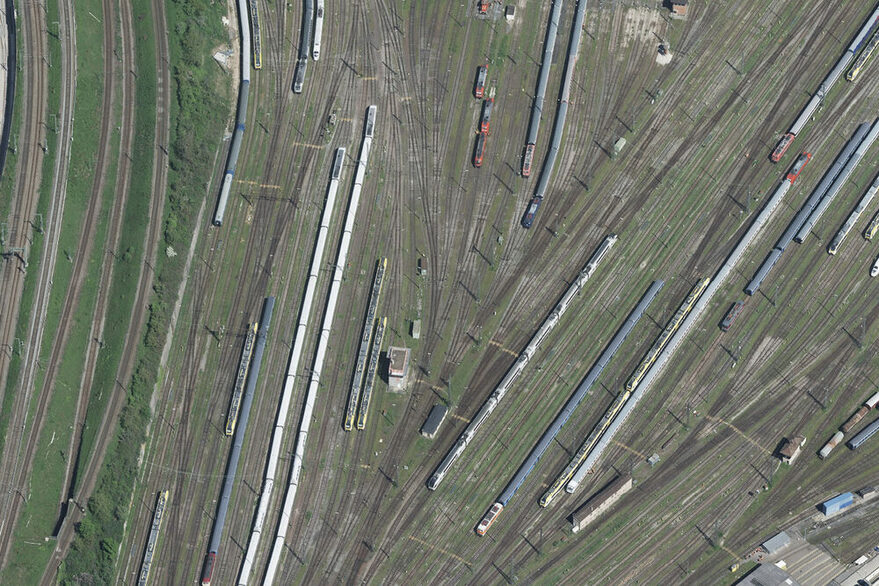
[196, 128]
[36, 248]
[7, 179]
[40, 512]
[128, 257]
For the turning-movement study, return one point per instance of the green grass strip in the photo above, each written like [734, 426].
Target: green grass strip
[197, 119]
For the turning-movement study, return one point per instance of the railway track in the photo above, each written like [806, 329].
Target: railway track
[28, 175]
[80, 489]
[262, 248]
[14, 464]
[336, 550]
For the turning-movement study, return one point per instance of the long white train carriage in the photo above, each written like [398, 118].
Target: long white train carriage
[318, 30]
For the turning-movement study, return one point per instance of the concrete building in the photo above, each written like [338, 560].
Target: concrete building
[601, 502]
[678, 7]
[511, 12]
[776, 543]
[768, 575]
[434, 421]
[791, 449]
[398, 369]
[867, 493]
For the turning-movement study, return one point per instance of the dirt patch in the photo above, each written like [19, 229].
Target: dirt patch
[663, 59]
[642, 24]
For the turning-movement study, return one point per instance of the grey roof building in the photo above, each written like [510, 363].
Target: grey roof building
[434, 420]
[776, 543]
[768, 575]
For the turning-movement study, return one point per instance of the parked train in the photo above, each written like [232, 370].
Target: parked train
[240, 115]
[731, 315]
[479, 151]
[257, 38]
[864, 435]
[862, 60]
[561, 114]
[542, 80]
[311, 395]
[775, 254]
[825, 87]
[305, 308]
[487, 105]
[481, 77]
[519, 365]
[527, 160]
[318, 30]
[304, 44]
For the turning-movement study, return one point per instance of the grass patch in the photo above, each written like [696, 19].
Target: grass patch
[40, 513]
[196, 129]
[34, 256]
[7, 179]
[129, 253]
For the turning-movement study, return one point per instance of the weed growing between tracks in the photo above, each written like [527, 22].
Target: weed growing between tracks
[129, 253]
[196, 128]
[40, 512]
[36, 247]
[7, 179]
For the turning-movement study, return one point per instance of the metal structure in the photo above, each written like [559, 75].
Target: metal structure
[563, 416]
[864, 435]
[562, 113]
[613, 410]
[318, 30]
[825, 87]
[667, 333]
[863, 58]
[542, 80]
[785, 239]
[832, 443]
[824, 185]
[304, 44]
[854, 216]
[487, 106]
[479, 150]
[481, 78]
[519, 365]
[872, 227]
[369, 383]
[257, 39]
[839, 182]
[144, 575]
[699, 307]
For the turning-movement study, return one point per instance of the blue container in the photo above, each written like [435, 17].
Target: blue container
[837, 503]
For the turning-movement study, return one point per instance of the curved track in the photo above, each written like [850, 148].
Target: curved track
[14, 464]
[362, 511]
